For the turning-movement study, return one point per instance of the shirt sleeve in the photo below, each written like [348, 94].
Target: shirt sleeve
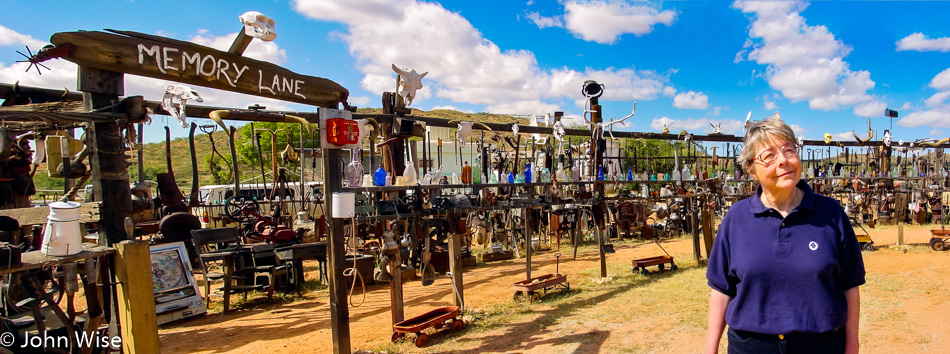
[850, 259]
[718, 270]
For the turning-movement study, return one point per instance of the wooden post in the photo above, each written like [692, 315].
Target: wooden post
[110, 175]
[527, 235]
[395, 286]
[133, 268]
[596, 117]
[455, 266]
[707, 228]
[240, 43]
[694, 224]
[339, 312]
[900, 233]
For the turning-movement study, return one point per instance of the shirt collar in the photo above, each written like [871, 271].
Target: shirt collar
[808, 198]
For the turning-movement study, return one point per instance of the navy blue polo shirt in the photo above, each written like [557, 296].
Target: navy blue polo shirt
[786, 274]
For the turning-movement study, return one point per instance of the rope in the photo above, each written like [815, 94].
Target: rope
[352, 272]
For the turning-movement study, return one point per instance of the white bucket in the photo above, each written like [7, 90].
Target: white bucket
[62, 236]
[344, 205]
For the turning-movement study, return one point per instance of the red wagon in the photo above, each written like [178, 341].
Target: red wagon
[545, 282]
[640, 265]
[438, 318]
[939, 239]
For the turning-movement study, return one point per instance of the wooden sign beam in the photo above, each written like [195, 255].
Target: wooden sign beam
[186, 62]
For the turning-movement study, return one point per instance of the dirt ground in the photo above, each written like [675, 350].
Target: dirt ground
[904, 308]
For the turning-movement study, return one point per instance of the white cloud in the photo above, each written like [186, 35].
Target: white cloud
[906, 106]
[9, 37]
[921, 43]
[691, 100]
[545, 22]
[870, 109]
[935, 132]
[604, 22]
[937, 99]
[260, 50]
[769, 105]
[941, 81]
[523, 107]
[845, 136]
[463, 66]
[804, 62]
[358, 100]
[716, 111]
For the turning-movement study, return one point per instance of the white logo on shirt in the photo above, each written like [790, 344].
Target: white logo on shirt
[813, 245]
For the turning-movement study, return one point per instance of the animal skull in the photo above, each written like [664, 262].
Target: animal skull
[183, 93]
[717, 128]
[258, 26]
[887, 138]
[463, 132]
[410, 81]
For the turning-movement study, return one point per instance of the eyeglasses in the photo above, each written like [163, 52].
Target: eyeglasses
[769, 156]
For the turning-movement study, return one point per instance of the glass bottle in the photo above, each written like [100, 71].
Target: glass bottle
[354, 171]
[511, 177]
[466, 173]
[409, 175]
[456, 179]
[687, 174]
[600, 173]
[629, 173]
[519, 179]
[545, 175]
[379, 177]
[559, 173]
[476, 171]
[389, 179]
[576, 172]
[527, 172]
[493, 177]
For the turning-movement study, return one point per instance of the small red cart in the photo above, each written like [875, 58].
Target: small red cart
[640, 265]
[545, 282]
[939, 239]
[438, 318]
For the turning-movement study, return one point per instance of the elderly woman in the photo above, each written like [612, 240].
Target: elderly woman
[786, 265]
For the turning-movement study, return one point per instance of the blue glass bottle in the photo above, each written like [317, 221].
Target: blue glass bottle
[629, 173]
[511, 177]
[379, 177]
[600, 173]
[527, 173]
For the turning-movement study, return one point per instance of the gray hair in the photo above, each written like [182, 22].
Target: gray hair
[759, 134]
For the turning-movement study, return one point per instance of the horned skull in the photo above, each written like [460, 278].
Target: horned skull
[258, 26]
[887, 138]
[410, 81]
[183, 94]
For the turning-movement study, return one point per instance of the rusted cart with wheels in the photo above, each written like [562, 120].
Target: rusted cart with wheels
[530, 287]
[939, 239]
[640, 265]
[438, 318]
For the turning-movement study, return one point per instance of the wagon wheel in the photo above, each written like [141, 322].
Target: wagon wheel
[937, 244]
[397, 336]
[869, 246]
[644, 271]
[518, 295]
[661, 266]
[457, 325]
[421, 339]
[535, 296]
[673, 266]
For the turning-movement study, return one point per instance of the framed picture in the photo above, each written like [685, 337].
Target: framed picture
[171, 272]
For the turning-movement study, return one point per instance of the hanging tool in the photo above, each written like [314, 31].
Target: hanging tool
[193, 197]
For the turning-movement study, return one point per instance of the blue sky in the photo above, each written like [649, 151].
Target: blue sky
[825, 66]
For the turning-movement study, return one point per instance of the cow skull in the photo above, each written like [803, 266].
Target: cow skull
[410, 81]
[183, 93]
[258, 26]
